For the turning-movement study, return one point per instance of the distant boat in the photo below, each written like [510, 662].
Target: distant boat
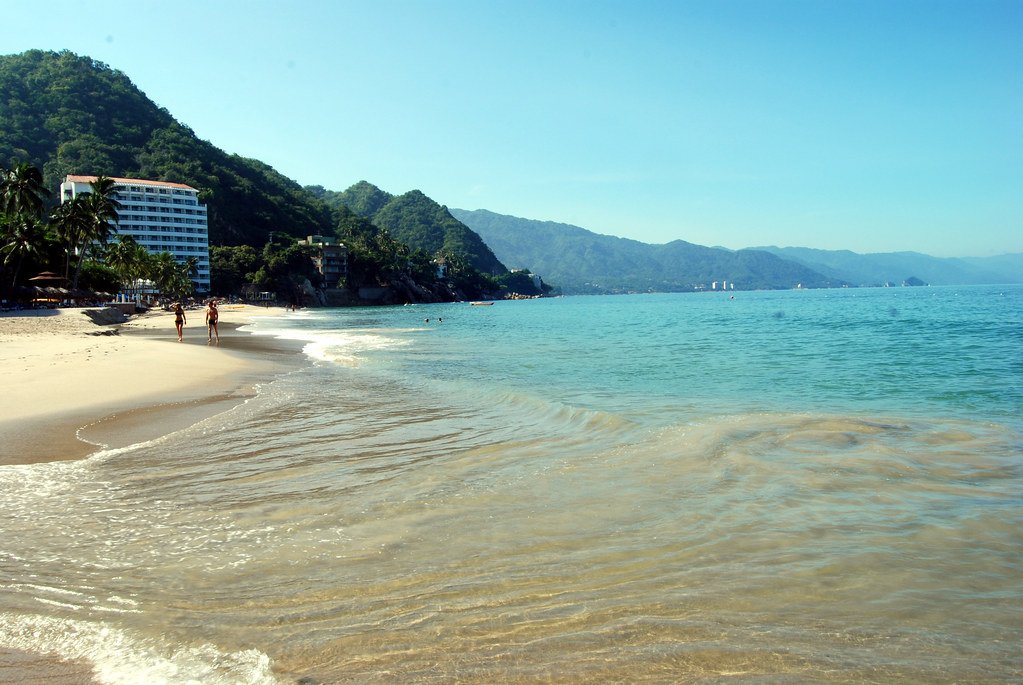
[481, 304]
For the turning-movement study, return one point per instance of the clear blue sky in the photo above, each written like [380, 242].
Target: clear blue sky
[870, 125]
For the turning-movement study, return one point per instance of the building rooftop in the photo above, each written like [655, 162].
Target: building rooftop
[128, 181]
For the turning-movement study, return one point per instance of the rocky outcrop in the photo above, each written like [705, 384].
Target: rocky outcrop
[106, 316]
[402, 290]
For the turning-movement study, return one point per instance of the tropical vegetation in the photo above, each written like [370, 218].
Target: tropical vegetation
[63, 114]
[77, 231]
[68, 114]
[22, 196]
[419, 222]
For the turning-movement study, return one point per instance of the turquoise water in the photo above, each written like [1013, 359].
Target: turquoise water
[950, 351]
[819, 486]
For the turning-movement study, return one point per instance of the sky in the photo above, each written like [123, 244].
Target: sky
[867, 125]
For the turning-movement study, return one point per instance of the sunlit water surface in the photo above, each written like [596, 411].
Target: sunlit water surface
[793, 487]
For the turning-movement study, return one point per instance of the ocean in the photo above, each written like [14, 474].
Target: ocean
[750, 487]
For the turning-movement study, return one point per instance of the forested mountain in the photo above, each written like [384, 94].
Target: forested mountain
[584, 262]
[419, 222]
[365, 199]
[896, 267]
[69, 114]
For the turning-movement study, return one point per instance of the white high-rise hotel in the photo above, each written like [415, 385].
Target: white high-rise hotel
[160, 216]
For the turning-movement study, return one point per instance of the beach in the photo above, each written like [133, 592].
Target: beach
[72, 383]
[647, 489]
[78, 379]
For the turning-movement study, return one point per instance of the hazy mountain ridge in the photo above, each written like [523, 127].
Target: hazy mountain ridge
[584, 261]
[895, 267]
[581, 261]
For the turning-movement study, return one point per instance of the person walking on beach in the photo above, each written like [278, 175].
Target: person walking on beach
[179, 318]
[212, 315]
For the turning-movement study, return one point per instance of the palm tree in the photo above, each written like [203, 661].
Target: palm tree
[131, 261]
[179, 277]
[101, 210]
[22, 190]
[25, 236]
[190, 267]
[189, 270]
[21, 206]
[164, 272]
[70, 220]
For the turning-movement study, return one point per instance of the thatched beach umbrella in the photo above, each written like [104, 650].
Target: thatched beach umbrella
[46, 284]
[47, 278]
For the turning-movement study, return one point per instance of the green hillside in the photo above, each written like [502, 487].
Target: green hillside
[419, 222]
[67, 114]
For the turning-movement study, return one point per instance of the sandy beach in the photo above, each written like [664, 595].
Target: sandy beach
[73, 382]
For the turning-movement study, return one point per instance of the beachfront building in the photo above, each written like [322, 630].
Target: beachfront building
[160, 216]
[330, 258]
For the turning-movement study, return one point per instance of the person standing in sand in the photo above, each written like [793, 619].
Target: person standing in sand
[212, 315]
[179, 318]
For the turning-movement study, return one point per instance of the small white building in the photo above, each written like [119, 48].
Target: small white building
[160, 216]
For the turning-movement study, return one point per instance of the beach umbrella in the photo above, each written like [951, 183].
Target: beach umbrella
[47, 277]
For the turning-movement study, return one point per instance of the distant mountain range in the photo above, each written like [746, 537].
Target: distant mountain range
[581, 261]
[894, 267]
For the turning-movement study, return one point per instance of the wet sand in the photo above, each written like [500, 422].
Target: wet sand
[71, 386]
[25, 668]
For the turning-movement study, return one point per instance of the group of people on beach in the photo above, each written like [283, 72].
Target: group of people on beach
[212, 316]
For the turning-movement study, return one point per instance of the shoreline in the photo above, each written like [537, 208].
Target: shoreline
[78, 386]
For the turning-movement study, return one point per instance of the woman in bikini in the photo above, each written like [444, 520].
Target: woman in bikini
[211, 320]
[179, 318]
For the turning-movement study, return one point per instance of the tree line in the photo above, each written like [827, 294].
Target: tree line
[375, 259]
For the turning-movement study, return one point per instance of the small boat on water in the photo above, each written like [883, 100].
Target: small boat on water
[481, 304]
